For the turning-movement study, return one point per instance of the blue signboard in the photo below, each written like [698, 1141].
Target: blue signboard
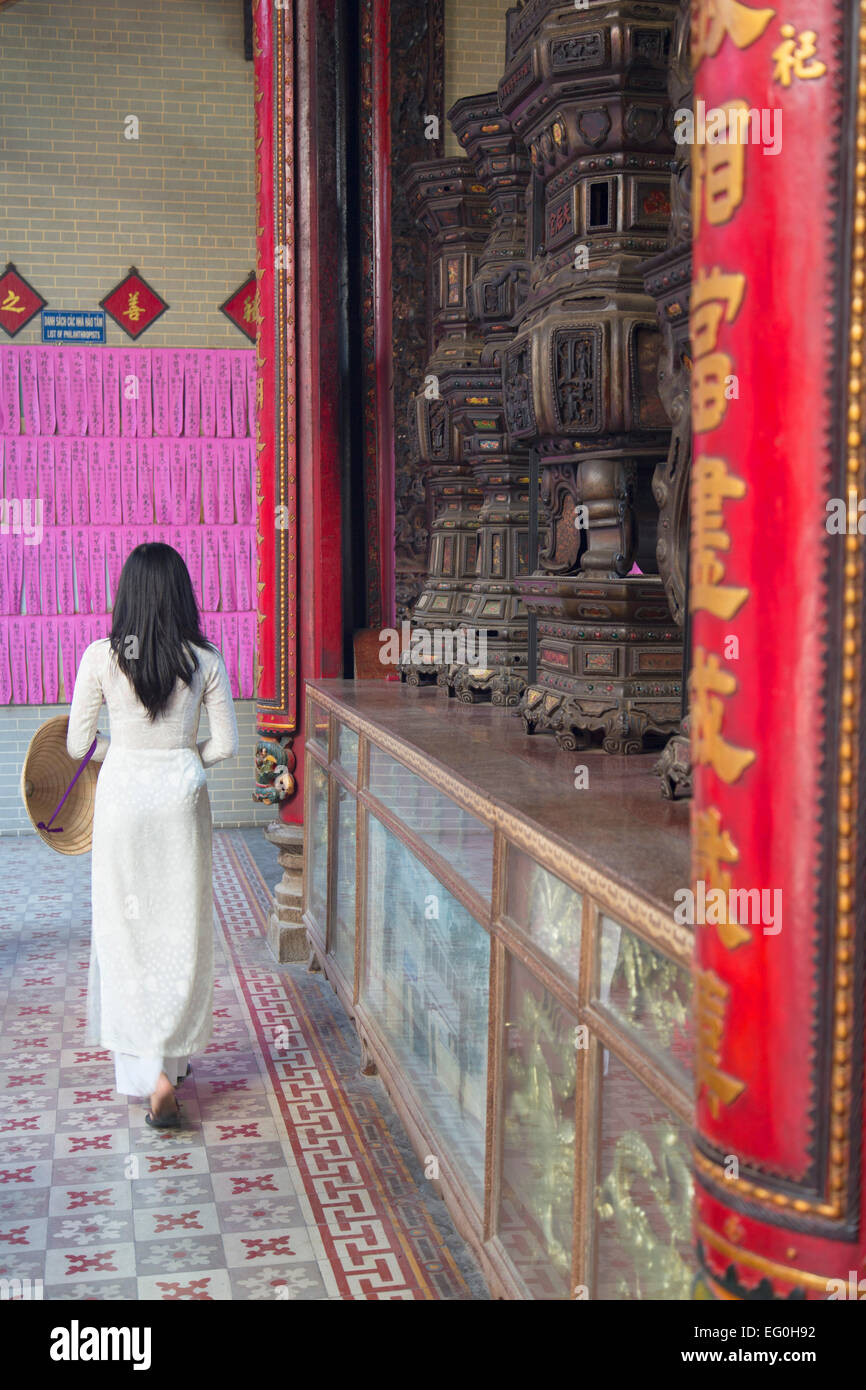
[73, 325]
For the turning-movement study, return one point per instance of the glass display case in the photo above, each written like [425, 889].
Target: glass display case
[529, 1016]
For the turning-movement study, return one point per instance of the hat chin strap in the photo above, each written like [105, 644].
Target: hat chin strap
[57, 829]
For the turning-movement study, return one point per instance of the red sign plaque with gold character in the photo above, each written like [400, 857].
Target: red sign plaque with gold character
[133, 304]
[18, 301]
[774, 607]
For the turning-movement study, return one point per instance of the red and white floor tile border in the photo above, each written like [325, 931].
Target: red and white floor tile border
[288, 1180]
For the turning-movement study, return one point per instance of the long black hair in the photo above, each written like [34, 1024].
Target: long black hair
[156, 624]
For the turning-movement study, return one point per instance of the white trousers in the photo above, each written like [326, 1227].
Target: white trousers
[137, 1076]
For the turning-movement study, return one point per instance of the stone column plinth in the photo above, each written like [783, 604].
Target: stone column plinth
[285, 933]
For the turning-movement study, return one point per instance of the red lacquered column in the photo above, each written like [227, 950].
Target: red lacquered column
[776, 329]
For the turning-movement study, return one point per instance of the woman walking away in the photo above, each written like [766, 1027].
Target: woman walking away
[150, 990]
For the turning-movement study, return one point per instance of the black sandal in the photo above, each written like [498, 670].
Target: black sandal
[182, 1079]
[166, 1122]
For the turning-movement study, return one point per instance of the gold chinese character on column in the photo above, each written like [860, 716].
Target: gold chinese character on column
[709, 749]
[711, 1003]
[716, 295]
[712, 483]
[713, 846]
[713, 19]
[792, 57]
[718, 170]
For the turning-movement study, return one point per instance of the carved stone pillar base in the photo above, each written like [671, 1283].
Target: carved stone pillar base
[285, 933]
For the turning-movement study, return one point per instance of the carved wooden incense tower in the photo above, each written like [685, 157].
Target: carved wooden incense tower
[452, 206]
[587, 92]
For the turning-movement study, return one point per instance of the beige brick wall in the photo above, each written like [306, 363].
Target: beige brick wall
[229, 783]
[80, 203]
[474, 52]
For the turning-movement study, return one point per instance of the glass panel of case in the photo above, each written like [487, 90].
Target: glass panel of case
[341, 937]
[536, 1207]
[318, 730]
[347, 750]
[426, 982]
[317, 844]
[546, 908]
[649, 994]
[462, 840]
[643, 1197]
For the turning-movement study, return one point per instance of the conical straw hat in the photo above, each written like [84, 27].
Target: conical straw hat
[47, 772]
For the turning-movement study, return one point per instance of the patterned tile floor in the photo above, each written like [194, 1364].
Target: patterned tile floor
[292, 1177]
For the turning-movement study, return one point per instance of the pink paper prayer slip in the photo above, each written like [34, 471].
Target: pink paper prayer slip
[5, 672]
[63, 481]
[45, 471]
[115, 556]
[243, 473]
[65, 573]
[80, 490]
[129, 480]
[99, 592]
[29, 368]
[27, 469]
[230, 649]
[223, 395]
[95, 389]
[50, 665]
[211, 570]
[226, 482]
[32, 586]
[78, 391]
[145, 397]
[145, 481]
[130, 541]
[45, 372]
[162, 508]
[66, 645]
[240, 402]
[33, 647]
[210, 482]
[244, 597]
[178, 482]
[193, 563]
[251, 392]
[191, 394]
[208, 394]
[81, 628]
[179, 540]
[63, 391]
[111, 392]
[12, 455]
[175, 393]
[247, 657]
[159, 389]
[10, 404]
[213, 629]
[18, 659]
[96, 479]
[110, 449]
[5, 600]
[227, 569]
[193, 482]
[48, 565]
[130, 392]
[14, 547]
[81, 554]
